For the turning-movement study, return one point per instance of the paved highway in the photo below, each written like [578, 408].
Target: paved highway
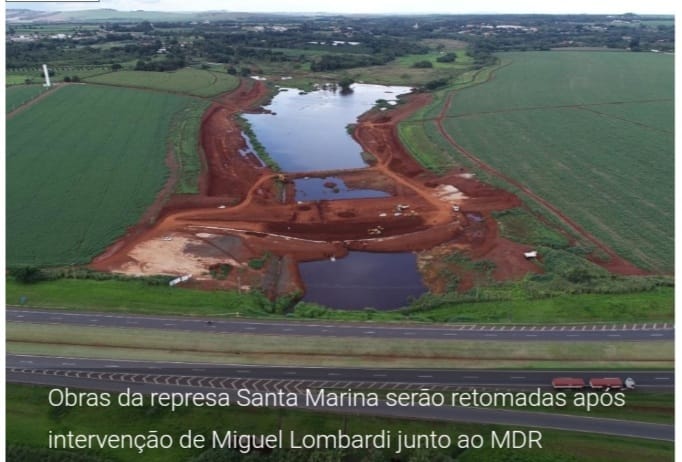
[336, 375]
[572, 333]
[120, 380]
[149, 376]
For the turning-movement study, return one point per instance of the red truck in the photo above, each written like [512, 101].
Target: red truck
[606, 383]
[567, 382]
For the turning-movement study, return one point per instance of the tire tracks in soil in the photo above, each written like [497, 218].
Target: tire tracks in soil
[616, 264]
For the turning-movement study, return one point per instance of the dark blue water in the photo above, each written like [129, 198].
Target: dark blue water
[313, 189]
[363, 279]
[307, 132]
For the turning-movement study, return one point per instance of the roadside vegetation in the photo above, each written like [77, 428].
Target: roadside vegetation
[29, 418]
[513, 306]
[74, 191]
[158, 345]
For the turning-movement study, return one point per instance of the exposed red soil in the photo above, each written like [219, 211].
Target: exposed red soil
[615, 263]
[253, 208]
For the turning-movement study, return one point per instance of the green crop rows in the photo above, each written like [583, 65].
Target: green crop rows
[19, 95]
[541, 79]
[591, 132]
[196, 82]
[82, 166]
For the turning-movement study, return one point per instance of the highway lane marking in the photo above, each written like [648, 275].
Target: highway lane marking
[243, 371]
[424, 376]
[379, 375]
[531, 335]
[332, 374]
[450, 334]
[68, 364]
[661, 378]
[470, 377]
[655, 335]
[517, 377]
[33, 314]
[573, 335]
[613, 335]
[370, 332]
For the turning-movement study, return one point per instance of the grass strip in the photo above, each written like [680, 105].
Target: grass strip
[656, 305]
[29, 418]
[153, 344]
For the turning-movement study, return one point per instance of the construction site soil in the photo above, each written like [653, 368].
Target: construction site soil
[246, 215]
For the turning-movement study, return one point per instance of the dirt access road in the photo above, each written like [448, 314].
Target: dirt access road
[245, 211]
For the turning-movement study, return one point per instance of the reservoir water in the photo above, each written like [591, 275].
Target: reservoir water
[363, 279]
[307, 132]
[317, 189]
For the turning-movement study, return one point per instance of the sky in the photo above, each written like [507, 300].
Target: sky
[371, 6]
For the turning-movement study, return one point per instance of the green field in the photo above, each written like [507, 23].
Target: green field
[18, 76]
[82, 166]
[20, 95]
[592, 133]
[29, 418]
[656, 305]
[539, 79]
[197, 82]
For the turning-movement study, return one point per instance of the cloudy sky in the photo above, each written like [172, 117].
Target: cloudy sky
[372, 6]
